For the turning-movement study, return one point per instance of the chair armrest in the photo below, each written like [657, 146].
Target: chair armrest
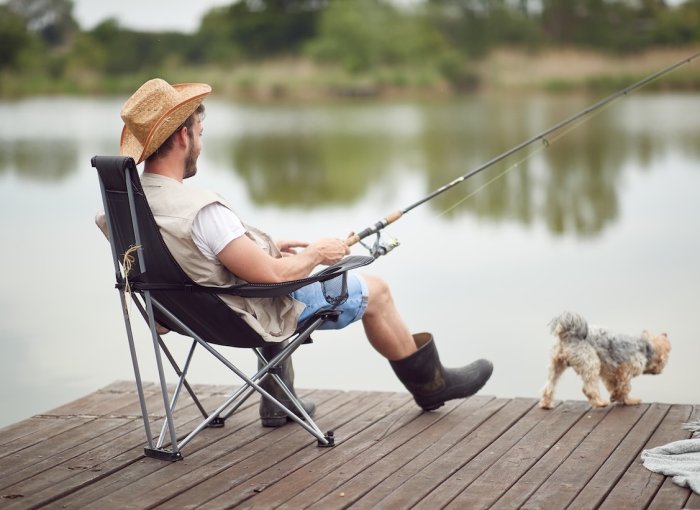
[284, 288]
[256, 290]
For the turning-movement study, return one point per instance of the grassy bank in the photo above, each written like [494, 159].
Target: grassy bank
[504, 70]
[572, 69]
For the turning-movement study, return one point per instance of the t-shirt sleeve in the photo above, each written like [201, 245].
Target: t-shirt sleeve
[214, 227]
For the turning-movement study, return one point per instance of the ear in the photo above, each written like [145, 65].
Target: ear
[181, 137]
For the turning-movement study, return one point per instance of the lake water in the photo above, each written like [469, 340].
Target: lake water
[603, 220]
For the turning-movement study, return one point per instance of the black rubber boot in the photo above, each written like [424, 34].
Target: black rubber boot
[270, 414]
[430, 383]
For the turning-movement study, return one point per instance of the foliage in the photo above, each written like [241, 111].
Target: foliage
[52, 20]
[256, 29]
[375, 42]
[473, 27]
[14, 37]
[124, 51]
[367, 34]
[678, 26]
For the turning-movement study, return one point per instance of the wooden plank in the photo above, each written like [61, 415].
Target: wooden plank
[103, 402]
[476, 453]
[373, 444]
[247, 447]
[513, 464]
[110, 401]
[447, 491]
[621, 458]
[550, 462]
[34, 462]
[383, 410]
[458, 455]
[202, 460]
[693, 501]
[50, 427]
[376, 472]
[82, 429]
[95, 463]
[99, 464]
[670, 495]
[139, 468]
[584, 461]
[357, 442]
[14, 437]
[638, 486]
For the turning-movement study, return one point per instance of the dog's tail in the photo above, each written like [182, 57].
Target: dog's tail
[569, 325]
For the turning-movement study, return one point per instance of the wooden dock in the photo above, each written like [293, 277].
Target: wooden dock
[482, 452]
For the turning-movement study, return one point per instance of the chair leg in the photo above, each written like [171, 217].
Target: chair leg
[218, 421]
[137, 371]
[280, 383]
[235, 399]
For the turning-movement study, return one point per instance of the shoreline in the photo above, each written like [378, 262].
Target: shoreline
[505, 70]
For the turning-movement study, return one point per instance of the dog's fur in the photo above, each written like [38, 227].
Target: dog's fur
[596, 354]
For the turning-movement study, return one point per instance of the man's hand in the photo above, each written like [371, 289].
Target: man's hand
[244, 258]
[329, 250]
[289, 248]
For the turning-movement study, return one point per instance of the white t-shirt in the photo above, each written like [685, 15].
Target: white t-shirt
[213, 228]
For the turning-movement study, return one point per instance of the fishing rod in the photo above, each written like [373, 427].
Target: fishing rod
[382, 248]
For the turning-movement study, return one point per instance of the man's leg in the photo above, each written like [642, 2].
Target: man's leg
[384, 327]
[270, 414]
[414, 358]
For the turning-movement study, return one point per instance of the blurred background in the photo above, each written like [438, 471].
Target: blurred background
[327, 115]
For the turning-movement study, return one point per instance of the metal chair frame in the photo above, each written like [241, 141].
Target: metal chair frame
[118, 177]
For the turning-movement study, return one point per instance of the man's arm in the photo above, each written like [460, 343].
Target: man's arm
[248, 261]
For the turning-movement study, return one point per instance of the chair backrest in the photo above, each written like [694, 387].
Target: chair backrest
[131, 223]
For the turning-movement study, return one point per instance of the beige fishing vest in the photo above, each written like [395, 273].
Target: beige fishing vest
[174, 207]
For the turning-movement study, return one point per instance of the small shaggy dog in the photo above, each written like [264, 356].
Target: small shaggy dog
[595, 354]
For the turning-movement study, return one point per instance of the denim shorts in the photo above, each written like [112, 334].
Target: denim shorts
[350, 311]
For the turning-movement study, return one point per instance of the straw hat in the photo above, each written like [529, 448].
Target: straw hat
[154, 112]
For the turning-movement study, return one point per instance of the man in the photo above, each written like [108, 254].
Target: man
[163, 127]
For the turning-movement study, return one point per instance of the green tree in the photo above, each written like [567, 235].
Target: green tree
[474, 27]
[607, 25]
[51, 19]
[14, 37]
[367, 34]
[678, 26]
[126, 51]
[258, 28]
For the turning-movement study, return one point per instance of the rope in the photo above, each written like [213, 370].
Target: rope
[127, 264]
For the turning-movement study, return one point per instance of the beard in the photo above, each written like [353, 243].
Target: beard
[190, 163]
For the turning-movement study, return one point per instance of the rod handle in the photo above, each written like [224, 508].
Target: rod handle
[389, 219]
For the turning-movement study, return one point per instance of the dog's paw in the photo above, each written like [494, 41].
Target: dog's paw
[599, 403]
[631, 401]
[546, 404]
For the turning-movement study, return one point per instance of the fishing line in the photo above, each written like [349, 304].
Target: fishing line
[380, 248]
[546, 143]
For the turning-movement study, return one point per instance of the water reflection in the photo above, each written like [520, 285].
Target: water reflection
[312, 158]
[570, 183]
[39, 160]
[303, 171]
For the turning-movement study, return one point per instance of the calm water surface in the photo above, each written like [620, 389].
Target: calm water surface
[603, 220]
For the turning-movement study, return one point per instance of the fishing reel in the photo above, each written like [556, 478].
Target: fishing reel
[381, 246]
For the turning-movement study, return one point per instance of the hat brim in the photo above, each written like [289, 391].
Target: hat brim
[191, 96]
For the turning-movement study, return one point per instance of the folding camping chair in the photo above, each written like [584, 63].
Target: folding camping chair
[165, 295]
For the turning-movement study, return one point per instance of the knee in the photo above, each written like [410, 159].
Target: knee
[379, 293]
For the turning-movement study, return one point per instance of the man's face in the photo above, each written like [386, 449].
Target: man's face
[194, 135]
